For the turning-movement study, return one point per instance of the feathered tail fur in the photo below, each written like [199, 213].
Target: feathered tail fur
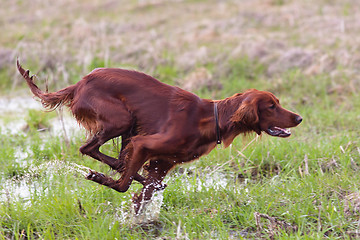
[49, 100]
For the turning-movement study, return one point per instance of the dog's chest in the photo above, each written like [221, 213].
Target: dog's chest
[194, 152]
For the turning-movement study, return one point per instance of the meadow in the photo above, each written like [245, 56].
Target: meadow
[303, 187]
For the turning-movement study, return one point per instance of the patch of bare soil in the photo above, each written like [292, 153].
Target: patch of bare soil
[273, 225]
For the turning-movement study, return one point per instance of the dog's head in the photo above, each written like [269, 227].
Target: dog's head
[261, 111]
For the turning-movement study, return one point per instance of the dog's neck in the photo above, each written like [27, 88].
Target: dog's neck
[224, 130]
[229, 129]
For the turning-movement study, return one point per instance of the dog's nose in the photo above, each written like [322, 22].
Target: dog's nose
[298, 119]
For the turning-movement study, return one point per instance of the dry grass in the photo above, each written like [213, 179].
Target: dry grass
[67, 38]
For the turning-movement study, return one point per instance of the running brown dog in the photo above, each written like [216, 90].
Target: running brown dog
[160, 125]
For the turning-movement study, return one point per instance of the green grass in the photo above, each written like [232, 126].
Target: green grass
[267, 177]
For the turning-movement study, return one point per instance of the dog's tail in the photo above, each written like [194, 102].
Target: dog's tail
[49, 100]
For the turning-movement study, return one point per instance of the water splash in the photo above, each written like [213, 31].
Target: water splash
[21, 188]
[70, 166]
[150, 210]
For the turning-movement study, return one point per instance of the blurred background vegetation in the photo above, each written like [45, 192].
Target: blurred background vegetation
[194, 44]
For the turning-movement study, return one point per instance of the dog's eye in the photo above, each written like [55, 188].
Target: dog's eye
[272, 106]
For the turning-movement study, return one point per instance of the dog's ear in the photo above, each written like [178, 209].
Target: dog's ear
[247, 116]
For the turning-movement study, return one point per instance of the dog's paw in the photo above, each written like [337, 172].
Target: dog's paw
[94, 176]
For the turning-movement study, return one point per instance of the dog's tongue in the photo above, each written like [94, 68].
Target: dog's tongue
[278, 132]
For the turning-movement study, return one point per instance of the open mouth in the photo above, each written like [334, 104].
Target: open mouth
[278, 132]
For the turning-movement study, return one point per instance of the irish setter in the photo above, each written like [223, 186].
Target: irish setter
[160, 125]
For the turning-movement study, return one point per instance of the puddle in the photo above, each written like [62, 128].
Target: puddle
[215, 180]
[29, 186]
[12, 127]
[18, 104]
[14, 189]
[204, 181]
[58, 126]
[24, 188]
[15, 109]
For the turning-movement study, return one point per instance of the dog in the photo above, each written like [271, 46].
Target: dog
[160, 125]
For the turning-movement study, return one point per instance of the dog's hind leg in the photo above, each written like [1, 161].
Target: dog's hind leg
[105, 180]
[118, 185]
[107, 119]
[92, 147]
[114, 123]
